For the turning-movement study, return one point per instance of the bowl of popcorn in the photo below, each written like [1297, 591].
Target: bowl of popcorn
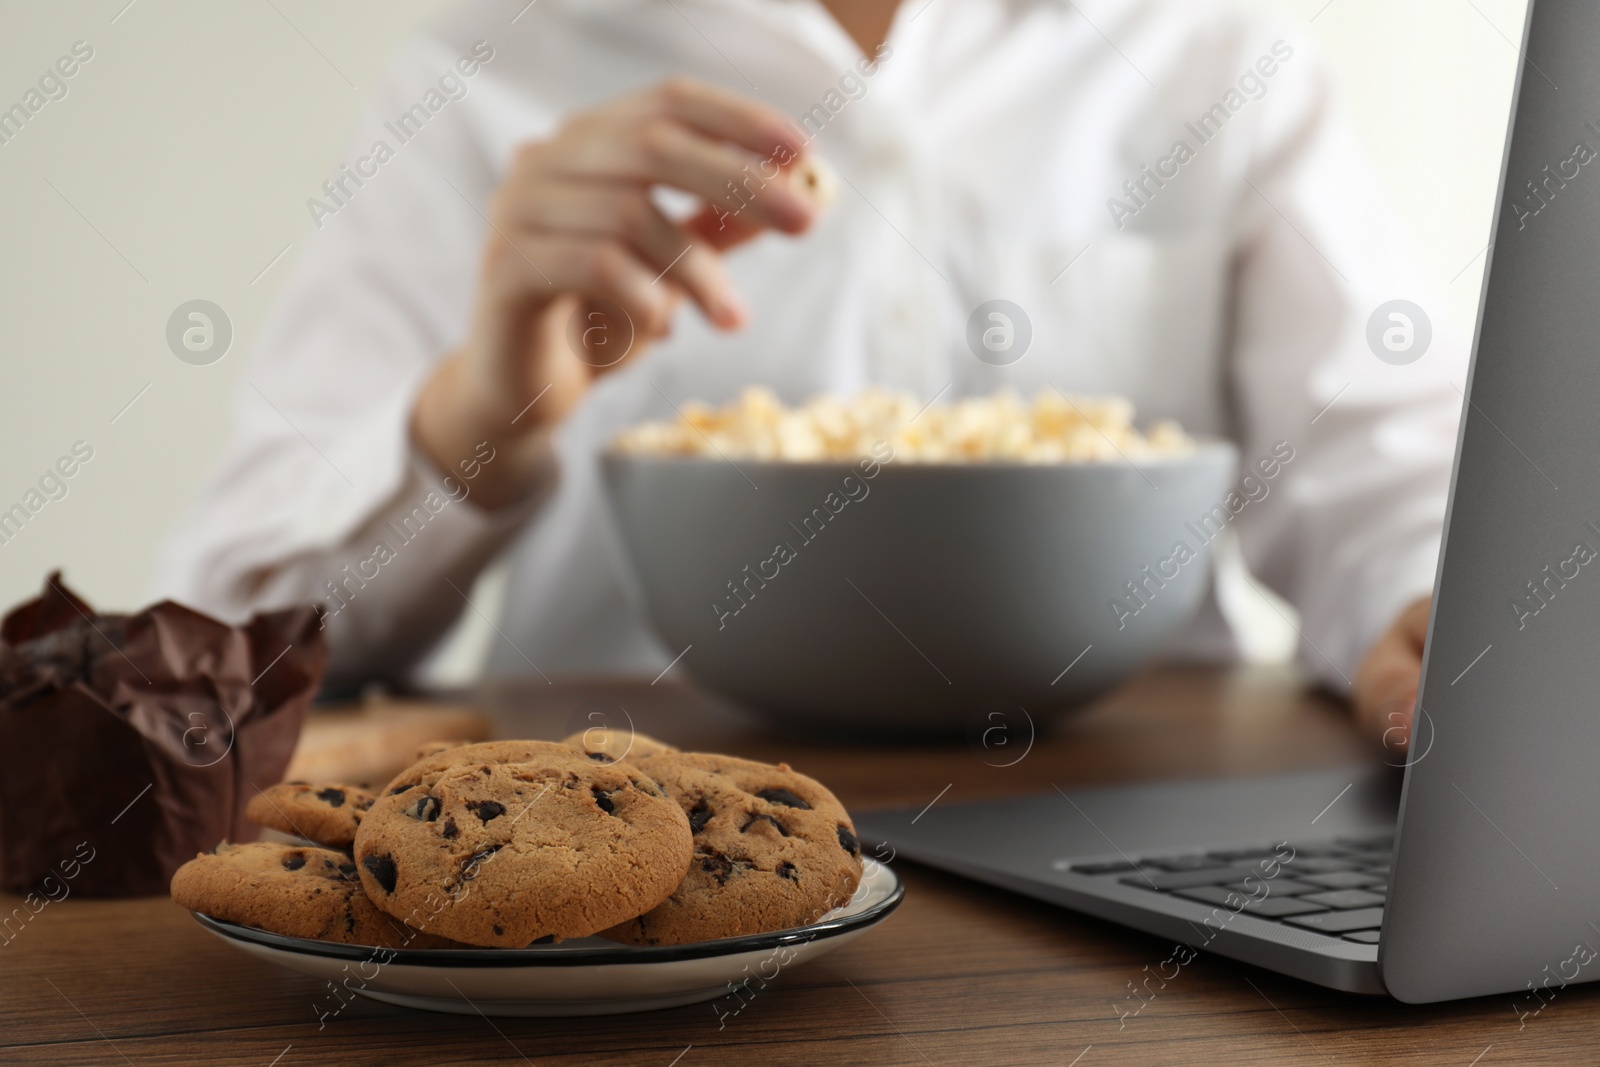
[874, 566]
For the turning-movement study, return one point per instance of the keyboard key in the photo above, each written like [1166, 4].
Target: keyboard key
[1282, 907]
[1214, 894]
[1342, 879]
[1111, 867]
[1318, 865]
[1236, 854]
[1280, 887]
[1366, 937]
[1374, 841]
[1340, 922]
[1168, 880]
[1267, 907]
[1184, 863]
[1345, 899]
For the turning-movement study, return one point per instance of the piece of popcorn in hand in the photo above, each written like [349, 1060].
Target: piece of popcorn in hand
[816, 180]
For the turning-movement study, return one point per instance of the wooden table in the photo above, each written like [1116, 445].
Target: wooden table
[962, 974]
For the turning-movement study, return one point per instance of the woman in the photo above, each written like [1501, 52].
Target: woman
[1161, 189]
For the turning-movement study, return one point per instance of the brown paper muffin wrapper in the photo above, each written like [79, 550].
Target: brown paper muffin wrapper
[129, 743]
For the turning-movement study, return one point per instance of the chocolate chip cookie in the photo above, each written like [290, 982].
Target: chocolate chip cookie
[433, 748]
[604, 744]
[293, 890]
[449, 753]
[509, 842]
[773, 849]
[326, 814]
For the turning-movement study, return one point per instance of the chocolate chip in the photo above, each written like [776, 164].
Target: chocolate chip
[699, 815]
[424, 807]
[602, 798]
[601, 757]
[499, 931]
[721, 867]
[347, 871]
[786, 870]
[486, 809]
[332, 797]
[397, 790]
[382, 870]
[469, 869]
[848, 842]
[752, 820]
[361, 805]
[450, 828]
[784, 797]
[294, 861]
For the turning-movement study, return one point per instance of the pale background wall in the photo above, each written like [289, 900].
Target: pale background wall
[192, 139]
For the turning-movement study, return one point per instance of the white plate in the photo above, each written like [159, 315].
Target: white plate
[585, 976]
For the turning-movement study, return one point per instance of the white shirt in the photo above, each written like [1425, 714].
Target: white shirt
[985, 157]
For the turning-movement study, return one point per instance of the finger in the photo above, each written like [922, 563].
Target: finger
[626, 212]
[1386, 688]
[1392, 724]
[1392, 665]
[661, 150]
[720, 229]
[601, 358]
[1414, 622]
[673, 153]
[729, 117]
[1390, 670]
[539, 266]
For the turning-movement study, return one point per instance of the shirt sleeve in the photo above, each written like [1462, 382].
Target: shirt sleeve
[1349, 527]
[320, 495]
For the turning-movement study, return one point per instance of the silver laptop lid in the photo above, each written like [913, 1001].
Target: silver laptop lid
[1496, 885]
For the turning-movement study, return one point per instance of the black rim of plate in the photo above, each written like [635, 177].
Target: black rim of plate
[557, 957]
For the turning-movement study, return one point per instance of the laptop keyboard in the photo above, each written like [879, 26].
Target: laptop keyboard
[1335, 887]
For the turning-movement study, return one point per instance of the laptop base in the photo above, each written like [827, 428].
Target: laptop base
[1251, 869]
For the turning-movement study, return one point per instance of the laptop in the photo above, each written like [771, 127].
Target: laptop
[1475, 868]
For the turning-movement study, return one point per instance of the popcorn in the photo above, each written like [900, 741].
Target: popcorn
[817, 180]
[1001, 428]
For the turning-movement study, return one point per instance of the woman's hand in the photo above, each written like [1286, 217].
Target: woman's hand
[1386, 685]
[581, 270]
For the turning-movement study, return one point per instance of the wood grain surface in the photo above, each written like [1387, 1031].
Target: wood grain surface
[376, 740]
[961, 974]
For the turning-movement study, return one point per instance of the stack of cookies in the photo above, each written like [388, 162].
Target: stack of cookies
[510, 843]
